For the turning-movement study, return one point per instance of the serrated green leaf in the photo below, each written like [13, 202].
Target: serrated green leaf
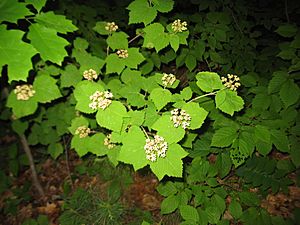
[174, 41]
[114, 64]
[19, 126]
[100, 28]
[50, 46]
[223, 164]
[155, 37]
[289, 93]
[12, 10]
[213, 214]
[188, 140]
[15, 53]
[186, 93]
[224, 137]
[112, 117]
[140, 11]
[132, 150]
[280, 140]
[134, 58]
[197, 114]
[166, 129]
[77, 122]
[46, 89]
[160, 97]
[21, 108]
[118, 40]
[57, 22]
[137, 118]
[249, 198]
[262, 133]
[38, 4]
[172, 164]
[235, 209]
[70, 77]
[276, 82]
[55, 149]
[209, 81]
[190, 62]
[228, 101]
[167, 189]
[82, 93]
[169, 204]
[287, 30]
[263, 147]
[163, 6]
[189, 213]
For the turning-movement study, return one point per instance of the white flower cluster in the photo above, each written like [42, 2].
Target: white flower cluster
[108, 143]
[90, 74]
[168, 79]
[180, 118]
[231, 82]
[100, 100]
[83, 131]
[178, 26]
[122, 53]
[111, 27]
[156, 147]
[24, 92]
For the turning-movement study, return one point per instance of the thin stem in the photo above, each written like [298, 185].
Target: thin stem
[235, 21]
[202, 96]
[35, 179]
[286, 11]
[67, 161]
[143, 129]
[28, 153]
[137, 36]
[107, 50]
[207, 64]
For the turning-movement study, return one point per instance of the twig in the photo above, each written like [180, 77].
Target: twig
[35, 179]
[202, 96]
[67, 161]
[286, 11]
[235, 21]
[137, 36]
[207, 64]
[28, 153]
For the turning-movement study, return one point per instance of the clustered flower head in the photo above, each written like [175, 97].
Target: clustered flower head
[155, 148]
[111, 27]
[122, 53]
[108, 143]
[231, 82]
[178, 26]
[168, 79]
[100, 100]
[180, 118]
[83, 131]
[24, 92]
[90, 74]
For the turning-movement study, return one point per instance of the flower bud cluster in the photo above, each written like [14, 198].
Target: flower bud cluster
[168, 79]
[180, 118]
[83, 131]
[231, 82]
[108, 143]
[100, 100]
[122, 53]
[156, 147]
[24, 92]
[90, 74]
[178, 26]
[111, 27]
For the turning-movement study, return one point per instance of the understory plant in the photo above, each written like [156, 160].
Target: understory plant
[194, 91]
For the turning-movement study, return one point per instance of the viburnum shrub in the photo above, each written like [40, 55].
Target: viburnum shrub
[111, 87]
